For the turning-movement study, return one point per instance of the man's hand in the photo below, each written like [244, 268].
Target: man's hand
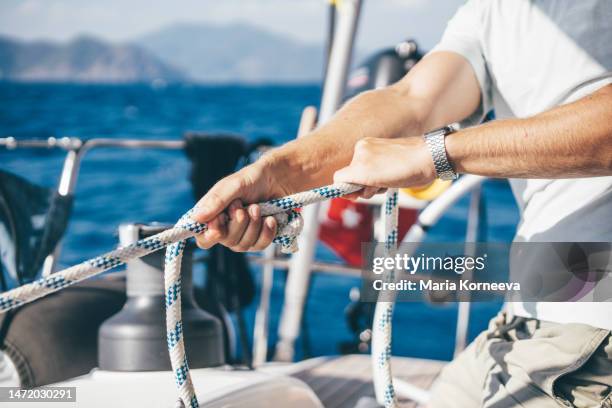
[231, 223]
[388, 163]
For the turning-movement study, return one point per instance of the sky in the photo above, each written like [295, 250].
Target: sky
[383, 23]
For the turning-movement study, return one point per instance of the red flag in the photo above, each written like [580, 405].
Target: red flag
[346, 224]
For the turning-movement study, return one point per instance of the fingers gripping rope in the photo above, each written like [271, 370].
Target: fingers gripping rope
[289, 227]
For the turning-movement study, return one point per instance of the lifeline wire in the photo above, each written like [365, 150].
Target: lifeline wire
[289, 226]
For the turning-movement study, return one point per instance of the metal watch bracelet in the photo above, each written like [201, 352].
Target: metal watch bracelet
[437, 148]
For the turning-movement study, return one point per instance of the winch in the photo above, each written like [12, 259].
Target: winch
[135, 338]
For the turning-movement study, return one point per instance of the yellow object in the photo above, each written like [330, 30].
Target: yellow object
[428, 192]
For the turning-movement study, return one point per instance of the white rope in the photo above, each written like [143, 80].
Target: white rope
[289, 227]
[383, 314]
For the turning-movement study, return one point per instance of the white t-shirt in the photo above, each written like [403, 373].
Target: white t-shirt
[527, 54]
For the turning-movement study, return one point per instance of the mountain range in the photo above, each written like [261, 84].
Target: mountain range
[83, 59]
[179, 53]
[235, 52]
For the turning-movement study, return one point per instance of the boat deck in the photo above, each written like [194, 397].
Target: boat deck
[340, 382]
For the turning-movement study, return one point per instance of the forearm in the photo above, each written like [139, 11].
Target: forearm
[440, 89]
[312, 160]
[573, 140]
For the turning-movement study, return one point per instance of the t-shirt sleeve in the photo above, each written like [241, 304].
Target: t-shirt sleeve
[462, 36]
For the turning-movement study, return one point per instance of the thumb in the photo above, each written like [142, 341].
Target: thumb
[354, 173]
[341, 176]
[217, 199]
[348, 174]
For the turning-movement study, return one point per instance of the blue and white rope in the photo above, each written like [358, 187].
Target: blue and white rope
[289, 226]
[383, 313]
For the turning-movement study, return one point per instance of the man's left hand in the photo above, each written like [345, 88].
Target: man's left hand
[379, 163]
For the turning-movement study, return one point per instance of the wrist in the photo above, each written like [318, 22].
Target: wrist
[428, 170]
[308, 162]
[283, 167]
[454, 151]
[421, 169]
[436, 142]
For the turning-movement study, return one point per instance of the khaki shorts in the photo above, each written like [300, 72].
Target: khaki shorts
[523, 362]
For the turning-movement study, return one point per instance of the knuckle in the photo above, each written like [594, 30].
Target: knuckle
[223, 191]
[249, 176]
[240, 218]
[235, 183]
[215, 199]
[361, 144]
[363, 147]
[367, 141]
[271, 232]
[221, 234]
[231, 242]
[241, 221]
[202, 243]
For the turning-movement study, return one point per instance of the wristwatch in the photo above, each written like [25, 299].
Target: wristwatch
[437, 148]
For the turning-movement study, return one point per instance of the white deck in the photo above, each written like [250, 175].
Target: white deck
[340, 382]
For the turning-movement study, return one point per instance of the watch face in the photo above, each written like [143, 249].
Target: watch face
[444, 130]
[448, 130]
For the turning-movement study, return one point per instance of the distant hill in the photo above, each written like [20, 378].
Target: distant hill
[181, 52]
[84, 59]
[235, 53]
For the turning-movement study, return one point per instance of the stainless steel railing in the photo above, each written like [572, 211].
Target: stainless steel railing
[76, 150]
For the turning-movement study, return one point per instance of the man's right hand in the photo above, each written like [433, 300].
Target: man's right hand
[231, 223]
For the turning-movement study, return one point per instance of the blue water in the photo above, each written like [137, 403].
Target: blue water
[117, 186]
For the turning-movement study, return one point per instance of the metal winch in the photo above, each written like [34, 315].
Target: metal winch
[135, 339]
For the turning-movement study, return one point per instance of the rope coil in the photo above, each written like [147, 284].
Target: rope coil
[174, 239]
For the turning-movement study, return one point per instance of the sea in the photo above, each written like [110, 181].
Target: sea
[117, 186]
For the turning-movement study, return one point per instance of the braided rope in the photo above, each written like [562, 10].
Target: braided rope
[289, 226]
[383, 314]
